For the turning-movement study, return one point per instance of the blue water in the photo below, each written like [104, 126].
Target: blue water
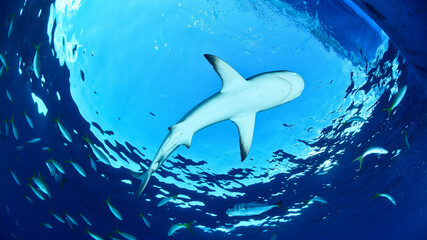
[122, 72]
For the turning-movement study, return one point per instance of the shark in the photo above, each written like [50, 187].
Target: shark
[239, 100]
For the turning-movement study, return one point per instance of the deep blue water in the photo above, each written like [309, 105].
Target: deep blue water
[122, 72]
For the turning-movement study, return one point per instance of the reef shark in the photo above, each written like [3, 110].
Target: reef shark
[239, 100]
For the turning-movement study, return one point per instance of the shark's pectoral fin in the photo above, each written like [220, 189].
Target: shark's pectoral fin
[231, 79]
[245, 124]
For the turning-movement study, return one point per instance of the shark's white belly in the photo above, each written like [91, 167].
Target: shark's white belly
[255, 97]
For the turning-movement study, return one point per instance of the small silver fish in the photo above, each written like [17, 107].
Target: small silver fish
[29, 121]
[397, 100]
[317, 199]
[164, 201]
[113, 238]
[385, 195]
[9, 96]
[371, 150]
[63, 130]
[19, 148]
[86, 219]
[6, 128]
[29, 199]
[250, 209]
[57, 165]
[34, 140]
[69, 223]
[42, 185]
[113, 210]
[47, 149]
[144, 219]
[47, 225]
[36, 192]
[93, 164]
[79, 169]
[3, 60]
[94, 235]
[72, 220]
[11, 26]
[406, 140]
[54, 171]
[14, 129]
[59, 218]
[37, 62]
[125, 235]
[273, 237]
[178, 226]
[354, 119]
[98, 153]
[15, 177]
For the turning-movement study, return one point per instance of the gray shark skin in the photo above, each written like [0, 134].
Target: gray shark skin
[239, 100]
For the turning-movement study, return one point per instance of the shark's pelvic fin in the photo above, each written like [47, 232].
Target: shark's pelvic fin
[246, 124]
[231, 79]
[183, 137]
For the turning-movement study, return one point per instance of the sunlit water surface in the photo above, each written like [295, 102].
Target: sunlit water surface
[122, 72]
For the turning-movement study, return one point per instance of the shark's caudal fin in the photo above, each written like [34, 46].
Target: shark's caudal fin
[144, 177]
[388, 110]
[360, 159]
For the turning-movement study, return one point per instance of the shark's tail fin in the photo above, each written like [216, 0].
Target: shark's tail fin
[360, 159]
[388, 110]
[144, 180]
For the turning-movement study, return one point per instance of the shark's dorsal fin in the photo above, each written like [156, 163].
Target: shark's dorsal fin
[245, 123]
[231, 79]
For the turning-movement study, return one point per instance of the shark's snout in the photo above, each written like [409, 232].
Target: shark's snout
[298, 85]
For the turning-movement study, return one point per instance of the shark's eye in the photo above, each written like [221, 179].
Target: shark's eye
[230, 208]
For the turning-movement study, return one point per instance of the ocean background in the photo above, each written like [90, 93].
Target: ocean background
[122, 72]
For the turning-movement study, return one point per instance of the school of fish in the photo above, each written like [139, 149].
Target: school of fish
[39, 187]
